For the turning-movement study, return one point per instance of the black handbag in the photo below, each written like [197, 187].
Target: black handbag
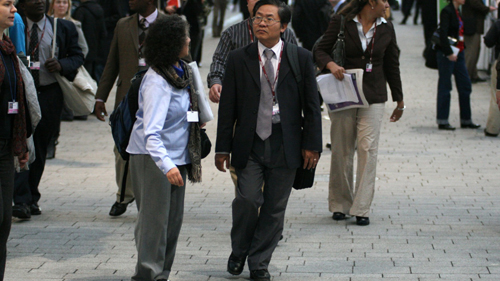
[206, 145]
[430, 54]
[338, 51]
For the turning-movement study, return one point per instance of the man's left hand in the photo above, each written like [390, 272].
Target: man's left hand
[311, 158]
[53, 65]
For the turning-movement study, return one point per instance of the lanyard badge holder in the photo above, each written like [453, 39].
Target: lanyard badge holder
[369, 66]
[13, 106]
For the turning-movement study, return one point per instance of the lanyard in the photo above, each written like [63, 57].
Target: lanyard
[277, 71]
[250, 30]
[43, 32]
[373, 42]
[12, 94]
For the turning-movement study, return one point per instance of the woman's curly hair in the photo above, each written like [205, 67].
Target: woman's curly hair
[165, 40]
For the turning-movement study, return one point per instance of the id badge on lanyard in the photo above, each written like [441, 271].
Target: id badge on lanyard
[13, 107]
[276, 113]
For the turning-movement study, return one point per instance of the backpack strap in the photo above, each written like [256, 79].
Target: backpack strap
[293, 58]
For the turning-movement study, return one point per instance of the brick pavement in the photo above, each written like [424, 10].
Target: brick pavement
[434, 217]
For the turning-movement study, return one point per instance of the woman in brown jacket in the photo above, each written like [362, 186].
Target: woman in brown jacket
[370, 44]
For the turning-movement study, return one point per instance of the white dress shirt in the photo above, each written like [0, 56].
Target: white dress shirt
[367, 38]
[44, 48]
[274, 60]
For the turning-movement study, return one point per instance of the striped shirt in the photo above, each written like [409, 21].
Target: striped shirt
[236, 36]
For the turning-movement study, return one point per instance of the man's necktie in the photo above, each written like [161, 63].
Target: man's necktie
[33, 52]
[142, 34]
[264, 118]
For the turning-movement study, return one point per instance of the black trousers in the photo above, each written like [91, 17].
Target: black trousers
[6, 188]
[26, 184]
[259, 214]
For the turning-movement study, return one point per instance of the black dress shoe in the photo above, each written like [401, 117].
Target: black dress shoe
[477, 80]
[446, 127]
[329, 145]
[338, 216]
[21, 211]
[470, 126]
[260, 275]
[118, 209]
[362, 221]
[35, 209]
[235, 265]
[489, 134]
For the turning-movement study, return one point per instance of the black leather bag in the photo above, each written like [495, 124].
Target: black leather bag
[304, 178]
[435, 39]
[206, 144]
[431, 57]
[338, 51]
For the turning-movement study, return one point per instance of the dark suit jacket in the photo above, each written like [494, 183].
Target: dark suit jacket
[385, 58]
[448, 26]
[91, 15]
[70, 54]
[240, 100]
[310, 20]
[474, 12]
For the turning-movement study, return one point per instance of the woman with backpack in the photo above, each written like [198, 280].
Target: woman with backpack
[164, 147]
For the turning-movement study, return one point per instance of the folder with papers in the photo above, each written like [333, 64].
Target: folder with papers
[340, 95]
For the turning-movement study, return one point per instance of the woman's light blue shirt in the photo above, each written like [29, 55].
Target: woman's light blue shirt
[161, 129]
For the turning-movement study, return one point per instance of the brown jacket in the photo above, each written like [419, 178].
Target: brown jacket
[385, 58]
[123, 59]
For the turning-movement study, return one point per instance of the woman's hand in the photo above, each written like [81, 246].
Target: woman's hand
[337, 71]
[452, 57]
[174, 177]
[398, 111]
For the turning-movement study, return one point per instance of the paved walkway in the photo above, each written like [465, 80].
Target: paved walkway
[435, 215]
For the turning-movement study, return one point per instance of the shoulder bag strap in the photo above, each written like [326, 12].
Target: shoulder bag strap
[54, 37]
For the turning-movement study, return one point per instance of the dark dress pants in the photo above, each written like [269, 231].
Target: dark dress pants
[458, 69]
[50, 99]
[6, 189]
[256, 234]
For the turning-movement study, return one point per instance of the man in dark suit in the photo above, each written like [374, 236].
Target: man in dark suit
[260, 108]
[39, 34]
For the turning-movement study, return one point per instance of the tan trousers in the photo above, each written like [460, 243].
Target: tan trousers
[354, 130]
[119, 171]
[471, 53]
[493, 123]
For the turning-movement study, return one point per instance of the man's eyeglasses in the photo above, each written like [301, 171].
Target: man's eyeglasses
[267, 21]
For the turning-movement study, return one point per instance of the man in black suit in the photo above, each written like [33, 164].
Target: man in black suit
[39, 34]
[260, 124]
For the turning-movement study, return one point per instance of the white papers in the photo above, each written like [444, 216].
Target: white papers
[455, 50]
[336, 91]
[204, 107]
[341, 95]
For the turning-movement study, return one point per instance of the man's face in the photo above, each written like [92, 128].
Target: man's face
[269, 28]
[34, 8]
[138, 6]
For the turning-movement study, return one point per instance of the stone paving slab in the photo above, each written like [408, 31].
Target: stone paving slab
[434, 216]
